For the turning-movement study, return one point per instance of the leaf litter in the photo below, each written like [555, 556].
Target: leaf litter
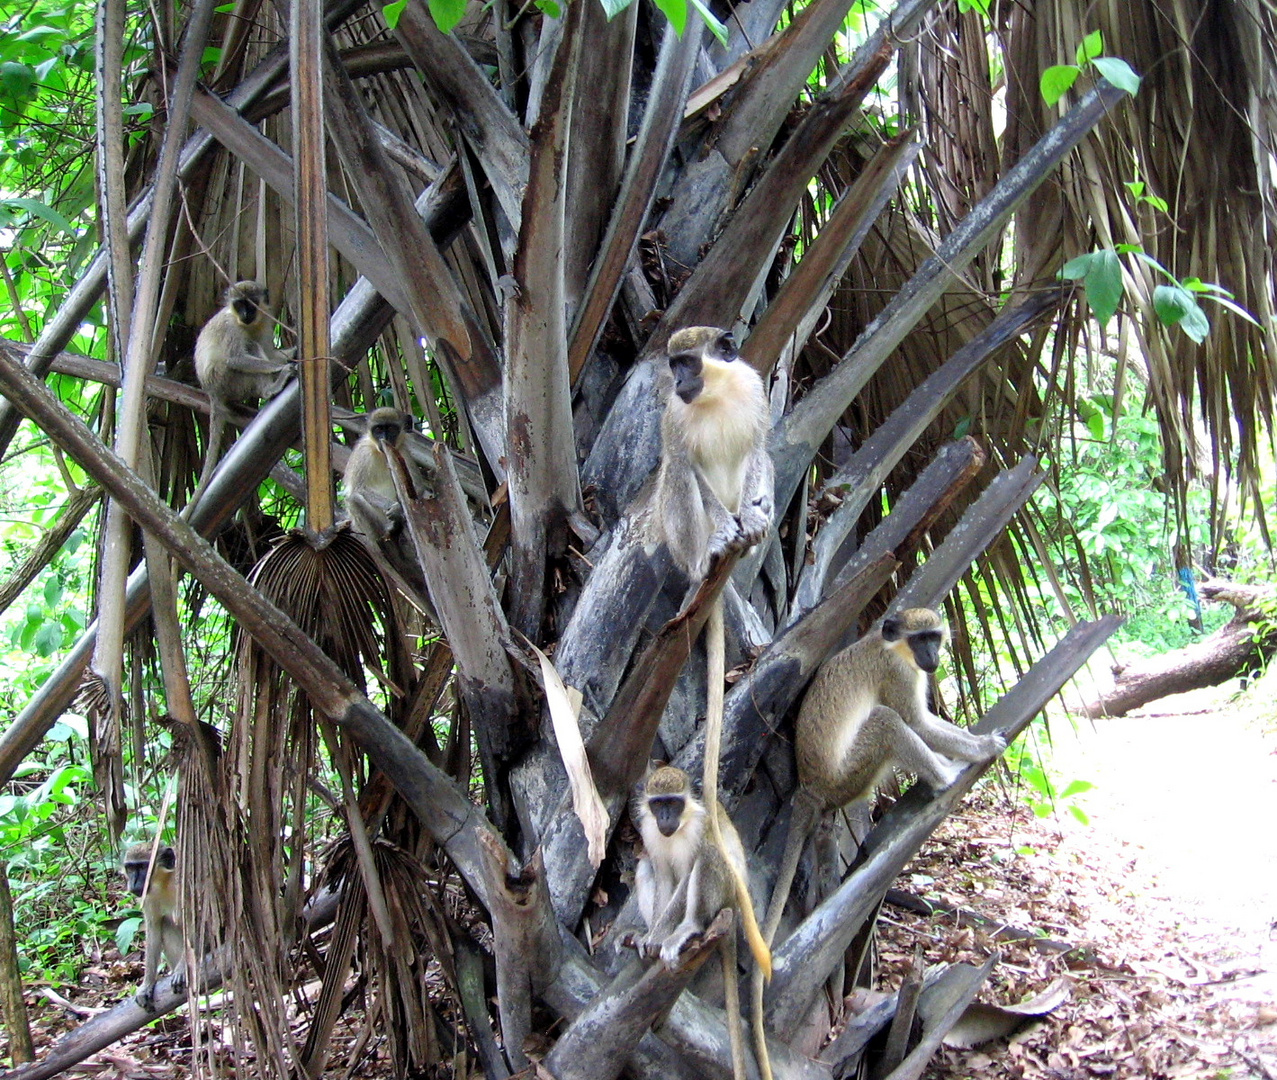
[1158, 985]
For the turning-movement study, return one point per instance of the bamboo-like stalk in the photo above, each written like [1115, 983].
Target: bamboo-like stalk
[109, 654]
[540, 450]
[310, 206]
[110, 165]
[106, 744]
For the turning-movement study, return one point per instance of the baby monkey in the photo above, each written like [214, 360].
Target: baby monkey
[161, 916]
[236, 360]
[684, 879]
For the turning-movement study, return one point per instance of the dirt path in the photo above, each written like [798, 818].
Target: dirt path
[1190, 785]
[1160, 911]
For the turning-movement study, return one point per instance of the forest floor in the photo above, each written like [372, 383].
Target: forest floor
[1157, 915]
[1168, 896]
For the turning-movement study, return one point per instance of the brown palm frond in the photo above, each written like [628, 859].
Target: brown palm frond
[403, 992]
[334, 593]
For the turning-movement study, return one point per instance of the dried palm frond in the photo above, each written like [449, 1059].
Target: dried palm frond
[398, 973]
[259, 834]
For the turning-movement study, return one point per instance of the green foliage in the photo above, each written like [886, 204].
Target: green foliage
[1109, 513]
[1101, 274]
[1058, 80]
[1174, 304]
[47, 121]
[1040, 788]
[391, 12]
[51, 613]
[58, 907]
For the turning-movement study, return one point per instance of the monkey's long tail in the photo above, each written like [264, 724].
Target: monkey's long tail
[716, 673]
[801, 819]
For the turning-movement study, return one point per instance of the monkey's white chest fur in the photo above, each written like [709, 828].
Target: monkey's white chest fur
[718, 432]
[377, 480]
[673, 855]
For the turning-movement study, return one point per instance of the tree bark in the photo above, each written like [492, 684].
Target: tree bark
[1236, 648]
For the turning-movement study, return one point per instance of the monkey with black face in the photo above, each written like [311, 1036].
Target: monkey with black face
[236, 360]
[370, 490]
[715, 486]
[714, 496]
[373, 503]
[865, 712]
[684, 879]
[161, 916]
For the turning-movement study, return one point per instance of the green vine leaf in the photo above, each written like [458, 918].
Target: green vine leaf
[676, 12]
[1056, 81]
[1091, 47]
[391, 12]
[1176, 306]
[447, 13]
[1118, 72]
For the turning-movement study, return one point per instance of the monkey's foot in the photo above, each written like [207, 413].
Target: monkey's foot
[676, 945]
[949, 772]
[145, 998]
[178, 982]
[995, 743]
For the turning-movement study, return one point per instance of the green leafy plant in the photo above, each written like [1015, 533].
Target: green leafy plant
[1041, 789]
[1057, 80]
[1175, 304]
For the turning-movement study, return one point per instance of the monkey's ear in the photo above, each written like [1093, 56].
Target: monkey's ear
[725, 347]
[409, 422]
[167, 858]
[891, 629]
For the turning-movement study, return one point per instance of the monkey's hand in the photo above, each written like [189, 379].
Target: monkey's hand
[994, 743]
[145, 997]
[394, 521]
[754, 520]
[726, 538]
[178, 982]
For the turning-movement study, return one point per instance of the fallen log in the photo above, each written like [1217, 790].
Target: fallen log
[1236, 648]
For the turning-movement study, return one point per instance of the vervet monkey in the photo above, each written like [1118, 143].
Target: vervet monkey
[715, 486]
[160, 913]
[236, 360]
[373, 503]
[714, 495]
[370, 489]
[865, 712]
[684, 879]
